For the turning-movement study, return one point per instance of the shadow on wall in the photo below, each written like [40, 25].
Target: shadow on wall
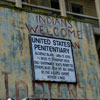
[97, 40]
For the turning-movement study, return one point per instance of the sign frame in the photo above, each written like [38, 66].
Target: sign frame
[32, 60]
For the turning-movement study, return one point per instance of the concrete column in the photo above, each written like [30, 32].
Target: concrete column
[18, 3]
[62, 7]
[97, 3]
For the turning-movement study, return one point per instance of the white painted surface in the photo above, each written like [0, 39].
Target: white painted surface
[53, 60]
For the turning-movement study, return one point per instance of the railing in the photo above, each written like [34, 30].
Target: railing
[8, 1]
[85, 18]
[50, 10]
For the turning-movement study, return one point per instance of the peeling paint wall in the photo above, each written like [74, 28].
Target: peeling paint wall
[16, 78]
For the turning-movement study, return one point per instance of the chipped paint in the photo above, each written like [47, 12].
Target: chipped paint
[16, 76]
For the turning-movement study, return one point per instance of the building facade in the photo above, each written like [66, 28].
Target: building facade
[26, 73]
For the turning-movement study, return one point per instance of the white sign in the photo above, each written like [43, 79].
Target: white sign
[52, 59]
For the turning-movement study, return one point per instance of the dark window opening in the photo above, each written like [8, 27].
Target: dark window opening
[77, 8]
[97, 40]
[25, 1]
[55, 4]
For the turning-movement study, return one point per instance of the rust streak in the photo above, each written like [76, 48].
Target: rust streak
[59, 85]
[74, 93]
[17, 88]
[6, 84]
[78, 79]
[83, 97]
[34, 90]
[50, 86]
[69, 91]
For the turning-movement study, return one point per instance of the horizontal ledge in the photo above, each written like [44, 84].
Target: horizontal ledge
[56, 10]
[96, 30]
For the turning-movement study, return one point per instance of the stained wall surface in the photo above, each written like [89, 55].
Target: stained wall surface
[16, 73]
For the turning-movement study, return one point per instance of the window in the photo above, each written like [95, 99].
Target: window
[55, 4]
[77, 8]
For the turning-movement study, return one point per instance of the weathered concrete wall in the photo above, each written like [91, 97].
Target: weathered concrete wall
[15, 59]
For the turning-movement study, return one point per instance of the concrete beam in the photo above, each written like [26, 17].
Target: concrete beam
[96, 31]
[18, 3]
[62, 7]
[97, 3]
